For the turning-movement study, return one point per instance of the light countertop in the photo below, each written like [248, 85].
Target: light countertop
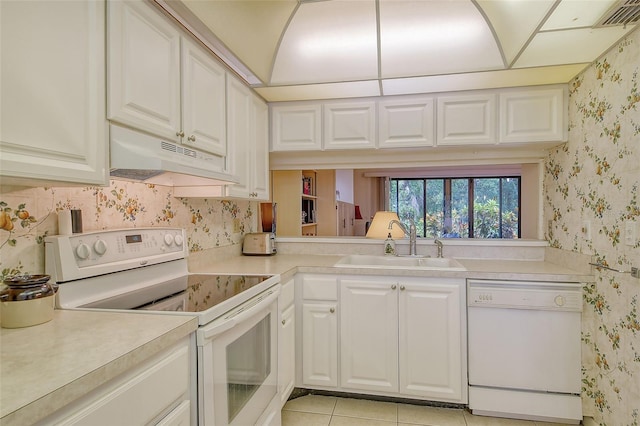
[46, 366]
[288, 264]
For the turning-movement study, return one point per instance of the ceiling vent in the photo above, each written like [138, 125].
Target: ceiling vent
[622, 13]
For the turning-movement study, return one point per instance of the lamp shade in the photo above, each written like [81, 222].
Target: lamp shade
[380, 226]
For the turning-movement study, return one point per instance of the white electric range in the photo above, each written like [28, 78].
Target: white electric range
[145, 270]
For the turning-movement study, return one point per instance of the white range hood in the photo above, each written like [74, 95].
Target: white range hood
[140, 157]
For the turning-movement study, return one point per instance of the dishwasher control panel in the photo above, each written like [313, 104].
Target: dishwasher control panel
[525, 295]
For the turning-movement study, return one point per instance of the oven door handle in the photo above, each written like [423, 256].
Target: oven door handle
[238, 315]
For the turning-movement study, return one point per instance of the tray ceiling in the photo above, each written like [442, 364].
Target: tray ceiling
[294, 50]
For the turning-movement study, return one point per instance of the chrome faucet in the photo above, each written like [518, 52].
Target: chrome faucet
[411, 232]
[438, 243]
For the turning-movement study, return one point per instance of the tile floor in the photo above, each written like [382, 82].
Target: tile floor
[319, 410]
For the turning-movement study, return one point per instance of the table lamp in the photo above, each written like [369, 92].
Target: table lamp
[379, 228]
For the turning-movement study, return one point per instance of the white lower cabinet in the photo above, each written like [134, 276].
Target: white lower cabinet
[156, 392]
[369, 335]
[320, 344]
[398, 336]
[286, 341]
[432, 339]
[317, 299]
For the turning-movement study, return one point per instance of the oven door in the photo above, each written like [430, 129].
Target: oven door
[237, 363]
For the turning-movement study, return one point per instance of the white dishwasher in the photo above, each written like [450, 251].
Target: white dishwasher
[524, 349]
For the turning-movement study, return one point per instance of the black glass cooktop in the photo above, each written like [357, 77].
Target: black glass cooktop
[206, 291]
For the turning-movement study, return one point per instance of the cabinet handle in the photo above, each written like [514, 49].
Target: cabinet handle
[192, 138]
[283, 322]
[332, 310]
[402, 288]
[180, 134]
[393, 287]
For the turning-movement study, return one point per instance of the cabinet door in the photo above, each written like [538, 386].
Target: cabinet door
[533, 115]
[431, 359]
[286, 353]
[351, 125]
[239, 134]
[346, 218]
[155, 391]
[407, 123]
[369, 335]
[203, 100]
[296, 127]
[52, 92]
[320, 344]
[260, 168]
[467, 119]
[144, 69]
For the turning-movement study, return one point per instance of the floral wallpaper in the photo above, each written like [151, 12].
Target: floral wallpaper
[595, 178]
[27, 216]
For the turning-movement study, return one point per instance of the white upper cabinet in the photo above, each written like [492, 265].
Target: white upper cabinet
[466, 119]
[53, 125]
[260, 165]
[238, 122]
[203, 100]
[533, 115]
[248, 139]
[162, 82]
[349, 125]
[406, 123]
[473, 118]
[296, 127]
[144, 69]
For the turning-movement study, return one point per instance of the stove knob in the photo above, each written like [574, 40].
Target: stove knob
[179, 240]
[168, 239]
[83, 251]
[100, 247]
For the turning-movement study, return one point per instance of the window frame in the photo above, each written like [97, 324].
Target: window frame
[447, 202]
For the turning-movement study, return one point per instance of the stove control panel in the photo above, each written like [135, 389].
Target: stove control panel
[114, 250]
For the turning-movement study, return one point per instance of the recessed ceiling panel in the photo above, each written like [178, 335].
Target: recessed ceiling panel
[249, 28]
[577, 13]
[434, 37]
[569, 46]
[515, 21]
[329, 41]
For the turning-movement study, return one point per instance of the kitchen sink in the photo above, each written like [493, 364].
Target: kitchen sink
[400, 262]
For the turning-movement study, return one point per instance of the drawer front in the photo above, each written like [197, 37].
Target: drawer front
[319, 287]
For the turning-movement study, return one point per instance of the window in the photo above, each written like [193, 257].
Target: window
[486, 207]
